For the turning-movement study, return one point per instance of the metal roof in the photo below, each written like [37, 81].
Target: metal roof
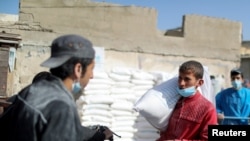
[9, 39]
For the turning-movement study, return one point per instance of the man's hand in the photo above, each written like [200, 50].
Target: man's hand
[4, 103]
[220, 116]
[108, 134]
[105, 130]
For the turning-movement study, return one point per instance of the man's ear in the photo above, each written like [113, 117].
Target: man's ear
[78, 70]
[201, 82]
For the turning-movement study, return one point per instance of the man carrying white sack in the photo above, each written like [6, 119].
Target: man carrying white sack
[192, 112]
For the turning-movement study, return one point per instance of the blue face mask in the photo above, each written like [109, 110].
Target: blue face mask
[187, 91]
[76, 87]
[236, 84]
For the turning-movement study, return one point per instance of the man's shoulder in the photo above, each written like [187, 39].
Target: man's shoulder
[246, 92]
[246, 89]
[226, 91]
[22, 107]
[206, 103]
[43, 93]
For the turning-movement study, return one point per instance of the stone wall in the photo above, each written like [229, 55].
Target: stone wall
[127, 33]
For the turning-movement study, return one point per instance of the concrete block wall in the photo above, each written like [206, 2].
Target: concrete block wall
[210, 35]
[30, 57]
[128, 34]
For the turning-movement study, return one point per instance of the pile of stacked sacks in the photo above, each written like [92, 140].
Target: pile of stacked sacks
[109, 99]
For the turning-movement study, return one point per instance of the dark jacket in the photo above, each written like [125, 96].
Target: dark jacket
[44, 111]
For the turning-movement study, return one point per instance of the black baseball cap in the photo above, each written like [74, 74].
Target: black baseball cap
[67, 46]
[236, 71]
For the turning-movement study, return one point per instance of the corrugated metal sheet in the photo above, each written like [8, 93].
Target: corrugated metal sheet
[4, 55]
[9, 39]
[10, 36]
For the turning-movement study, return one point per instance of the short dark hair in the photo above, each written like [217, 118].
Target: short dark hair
[194, 66]
[67, 68]
[236, 72]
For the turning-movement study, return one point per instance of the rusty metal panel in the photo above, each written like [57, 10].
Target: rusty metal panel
[245, 67]
[4, 56]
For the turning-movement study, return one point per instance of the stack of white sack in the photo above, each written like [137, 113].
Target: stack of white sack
[94, 105]
[123, 119]
[145, 131]
[164, 97]
[121, 88]
[122, 109]
[109, 100]
[143, 81]
[160, 77]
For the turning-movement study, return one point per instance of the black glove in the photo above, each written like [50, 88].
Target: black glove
[101, 129]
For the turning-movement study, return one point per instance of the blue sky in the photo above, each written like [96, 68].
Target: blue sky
[9, 6]
[170, 12]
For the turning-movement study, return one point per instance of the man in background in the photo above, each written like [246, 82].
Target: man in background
[233, 104]
[246, 83]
